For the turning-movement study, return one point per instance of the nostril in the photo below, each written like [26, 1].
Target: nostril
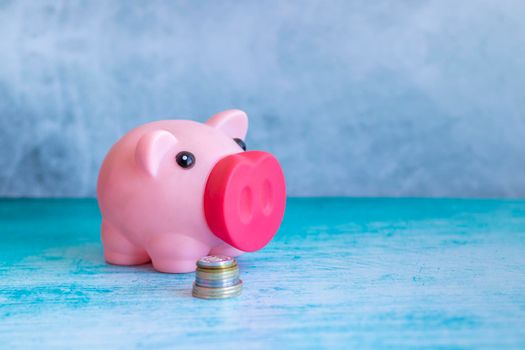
[246, 204]
[267, 197]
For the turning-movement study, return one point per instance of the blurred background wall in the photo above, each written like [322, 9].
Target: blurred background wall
[360, 98]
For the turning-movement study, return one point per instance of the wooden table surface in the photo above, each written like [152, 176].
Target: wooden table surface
[341, 273]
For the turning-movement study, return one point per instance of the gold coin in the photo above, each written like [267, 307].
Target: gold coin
[223, 296]
[214, 269]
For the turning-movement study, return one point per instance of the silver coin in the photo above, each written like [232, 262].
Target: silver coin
[218, 290]
[217, 293]
[216, 283]
[215, 261]
[217, 276]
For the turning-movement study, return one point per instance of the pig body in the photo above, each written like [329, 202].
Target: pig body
[154, 208]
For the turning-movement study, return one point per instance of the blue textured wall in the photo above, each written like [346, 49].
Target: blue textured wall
[355, 97]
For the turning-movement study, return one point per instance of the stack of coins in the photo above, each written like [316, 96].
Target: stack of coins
[217, 277]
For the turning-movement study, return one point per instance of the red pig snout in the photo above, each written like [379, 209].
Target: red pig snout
[245, 198]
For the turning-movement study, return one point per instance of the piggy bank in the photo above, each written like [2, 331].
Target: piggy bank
[173, 191]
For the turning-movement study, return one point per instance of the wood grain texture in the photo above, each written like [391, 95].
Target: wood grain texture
[341, 273]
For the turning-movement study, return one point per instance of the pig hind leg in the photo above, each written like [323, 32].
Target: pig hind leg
[118, 250]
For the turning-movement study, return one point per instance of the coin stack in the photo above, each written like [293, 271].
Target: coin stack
[217, 277]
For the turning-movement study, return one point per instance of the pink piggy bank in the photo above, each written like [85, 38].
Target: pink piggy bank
[173, 191]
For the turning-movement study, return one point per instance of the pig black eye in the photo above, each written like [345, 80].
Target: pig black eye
[240, 143]
[185, 159]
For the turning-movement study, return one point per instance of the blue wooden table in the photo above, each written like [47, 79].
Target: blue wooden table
[341, 273]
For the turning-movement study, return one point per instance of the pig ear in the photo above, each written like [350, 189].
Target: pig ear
[232, 122]
[151, 149]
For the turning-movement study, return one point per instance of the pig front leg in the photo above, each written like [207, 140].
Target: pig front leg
[226, 249]
[118, 250]
[175, 253]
